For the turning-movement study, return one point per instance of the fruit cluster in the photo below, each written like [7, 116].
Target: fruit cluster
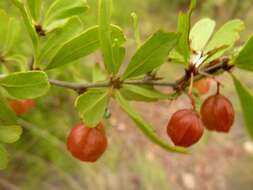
[186, 126]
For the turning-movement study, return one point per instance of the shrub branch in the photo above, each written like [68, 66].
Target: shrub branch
[212, 69]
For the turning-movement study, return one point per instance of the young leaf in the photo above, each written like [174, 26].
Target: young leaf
[144, 126]
[10, 133]
[228, 34]
[12, 34]
[7, 116]
[184, 26]
[201, 33]
[4, 157]
[62, 9]
[142, 93]
[105, 36]
[92, 105]
[151, 54]
[245, 58]
[82, 45]
[26, 85]
[118, 54]
[183, 46]
[9, 32]
[28, 22]
[34, 7]
[246, 99]
[56, 40]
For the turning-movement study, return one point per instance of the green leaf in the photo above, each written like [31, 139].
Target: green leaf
[62, 9]
[28, 23]
[183, 46]
[56, 40]
[118, 54]
[92, 105]
[246, 99]
[228, 34]
[142, 93]
[201, 33]
[151, 54]
[245, 58]
[12, 34]
[82, 45]
[184, 27]
[9, 32]
[7, 116]
[26, 85]
[144, 126]
[34, 7]
[105, 36]
[10, 133]
[4, 157]
[98, 74]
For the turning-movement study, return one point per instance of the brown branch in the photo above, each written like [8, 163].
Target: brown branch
[78, 86]
[180, 84]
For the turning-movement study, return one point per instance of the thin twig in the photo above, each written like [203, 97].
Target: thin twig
[78, 86]
[212, 69]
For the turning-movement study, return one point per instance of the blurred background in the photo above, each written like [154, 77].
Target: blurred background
[219, 162]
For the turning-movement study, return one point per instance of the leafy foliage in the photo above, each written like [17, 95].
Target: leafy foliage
[80, 46]
[246, 99]
[245, 58]
[151, 54]
[200, 33]
[227, 35]
[26, 85]
[64, 9]
[184, 26]
[92, 105]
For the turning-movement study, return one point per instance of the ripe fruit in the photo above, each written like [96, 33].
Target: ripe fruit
[87, 144]
[203, 85]
[217, 113]
[21, 106]
[185, 127]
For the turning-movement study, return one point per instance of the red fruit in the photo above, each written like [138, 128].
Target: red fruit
[185, 127]
[21, 106]
[203, 85]
[217, 113]
[87, 144]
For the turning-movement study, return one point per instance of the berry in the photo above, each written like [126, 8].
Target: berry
[87, 144]
[203, 85]
[217, 113]
[185, 127]
[21, 106]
